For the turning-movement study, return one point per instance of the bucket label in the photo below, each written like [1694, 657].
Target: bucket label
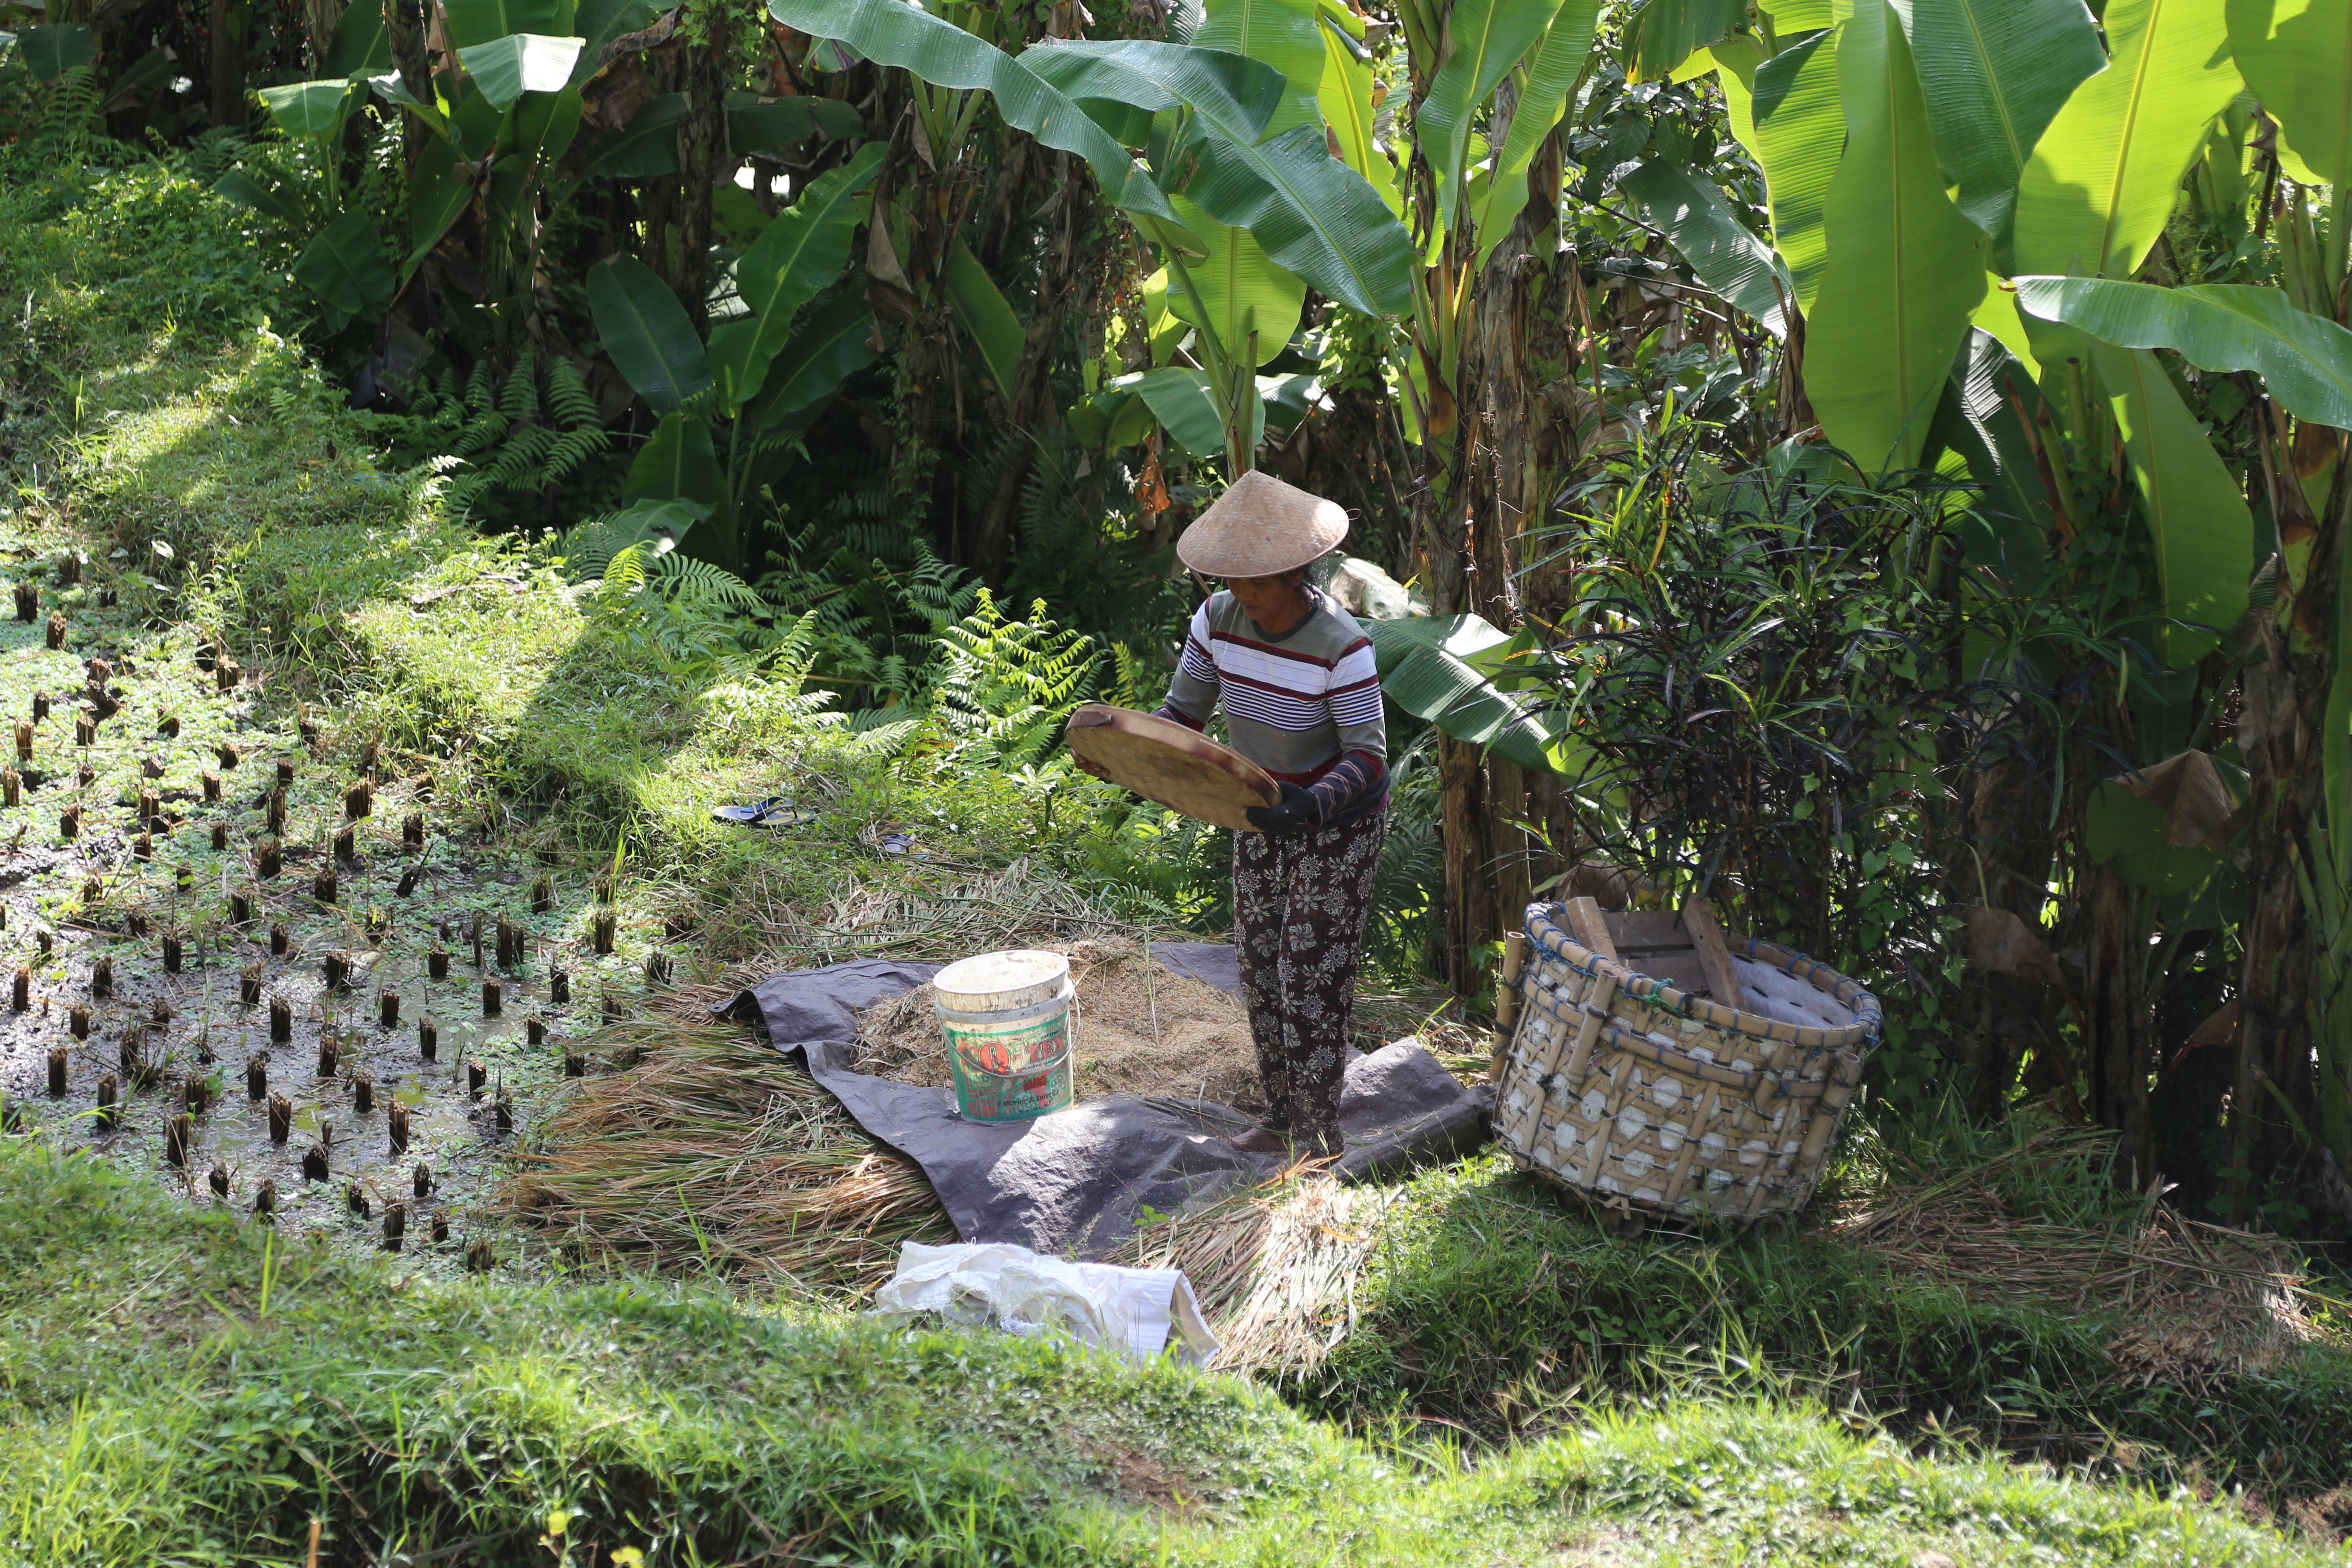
[984, 1097]
[1011, 1074]
[1009, 1052]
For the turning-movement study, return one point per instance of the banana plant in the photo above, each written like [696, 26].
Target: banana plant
[502, 121]
[1240, 196]
[790, 341]
[1916, 158]
[1965, 198]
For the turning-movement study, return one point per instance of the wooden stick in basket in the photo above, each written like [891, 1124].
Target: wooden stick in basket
[1592, 931]
[1698, 920]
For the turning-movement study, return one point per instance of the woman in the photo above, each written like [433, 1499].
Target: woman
[1302, 700]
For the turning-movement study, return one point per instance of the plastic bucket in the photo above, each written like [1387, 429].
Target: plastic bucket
[1006, 1017]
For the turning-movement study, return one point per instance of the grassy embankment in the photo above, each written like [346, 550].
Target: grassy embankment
[183, 1387]
[157, 1411]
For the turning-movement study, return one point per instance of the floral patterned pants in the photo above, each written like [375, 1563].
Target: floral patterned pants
[1300, 901]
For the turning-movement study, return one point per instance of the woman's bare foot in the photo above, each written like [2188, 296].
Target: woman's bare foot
[1258, 1141]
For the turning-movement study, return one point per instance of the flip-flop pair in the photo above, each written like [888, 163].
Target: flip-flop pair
[775, 811]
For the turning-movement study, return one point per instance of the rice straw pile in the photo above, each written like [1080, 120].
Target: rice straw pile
[1140, 1029]
[717, 1150]
[1274, 1268]
[2199, 1299]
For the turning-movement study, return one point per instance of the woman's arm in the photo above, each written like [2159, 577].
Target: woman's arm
[1193, 693]
[1362, 769]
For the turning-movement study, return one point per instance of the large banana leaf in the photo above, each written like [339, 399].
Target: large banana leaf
[1241, 289]
[505, 69]
[434, 200]
[1313, 214]
[982, 311]
[275, 199]
[646, 332]
[1727, 257]
[53, 48]
[308, 109]
[802, 251]
[2104, 176]
[1800, 136]
[679, 462]
[427, 110]
[754, 126]
[1552, 71]
[1283, 34]
[2304, 360]
[1427, 667]
[836, 341]
[944, 54]
[1485, 38]
[538, 129]
[1180, 399]
[1345, 99]
[475, 22]
[1987, 432]
[360, 46]
[1665, 33]
[2293, 54]
[1904, 268]
[1994, 73]
[344, 264]
[646, 146]
[2196, 516]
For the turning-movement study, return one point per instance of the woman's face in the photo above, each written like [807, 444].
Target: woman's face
[1274, 603]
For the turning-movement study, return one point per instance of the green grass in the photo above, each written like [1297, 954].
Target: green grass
[181, 1386]
[1490, 1305]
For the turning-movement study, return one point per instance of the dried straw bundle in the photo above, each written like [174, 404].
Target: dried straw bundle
[949, 910]
[717, 1150]
[1274, 1268]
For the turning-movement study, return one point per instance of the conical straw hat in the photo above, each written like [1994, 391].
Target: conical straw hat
[1259, 527]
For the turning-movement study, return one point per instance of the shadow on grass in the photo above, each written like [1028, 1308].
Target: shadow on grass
[1493, 1306]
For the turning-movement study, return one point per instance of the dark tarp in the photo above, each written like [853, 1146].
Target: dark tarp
[1076, 1181]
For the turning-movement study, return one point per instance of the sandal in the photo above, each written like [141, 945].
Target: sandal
[785, 815]
[750, 816]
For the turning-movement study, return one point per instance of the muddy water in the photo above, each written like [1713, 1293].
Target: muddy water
[211, 1037]
[94, 898]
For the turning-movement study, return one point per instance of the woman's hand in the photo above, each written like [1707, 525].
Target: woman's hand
[1296, 810]
[1089, 765]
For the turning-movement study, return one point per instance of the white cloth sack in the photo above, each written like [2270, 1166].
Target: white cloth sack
[1131, 1312]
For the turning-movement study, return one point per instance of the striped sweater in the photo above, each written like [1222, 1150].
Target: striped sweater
[1304, 706]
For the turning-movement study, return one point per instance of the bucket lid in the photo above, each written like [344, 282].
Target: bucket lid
[1001, 982]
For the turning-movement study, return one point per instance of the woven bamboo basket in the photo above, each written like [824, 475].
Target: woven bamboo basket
[1637, 1095]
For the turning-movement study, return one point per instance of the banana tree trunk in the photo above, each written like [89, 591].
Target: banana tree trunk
[702, 162]
[1061, 287]
[403, 31]
[2116, 986]
[1495, 479]
[2007, 824]
[225, 42]
[2274, 1097]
